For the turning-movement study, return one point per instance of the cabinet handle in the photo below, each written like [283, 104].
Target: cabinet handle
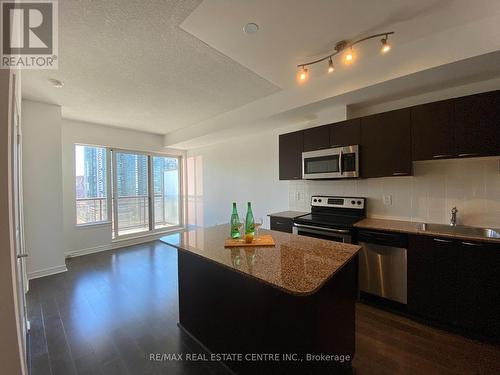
[471, 154]
[441, 156]
[471, 244]
[400, 174]
[322, 147]
[441, 240]
[335, 146]
[22, 256]
[295, 178]
[280, 223]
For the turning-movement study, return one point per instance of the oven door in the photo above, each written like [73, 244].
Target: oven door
[340, 162]
[338, 235]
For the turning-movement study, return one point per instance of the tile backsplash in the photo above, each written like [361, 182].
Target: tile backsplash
[472, 185]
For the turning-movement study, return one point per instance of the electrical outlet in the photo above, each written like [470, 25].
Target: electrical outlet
[387, 199]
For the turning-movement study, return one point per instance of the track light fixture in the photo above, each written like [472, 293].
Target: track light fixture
[350, 56]
[331, 68]
[341, 46]
[386, 47]
[303, 74]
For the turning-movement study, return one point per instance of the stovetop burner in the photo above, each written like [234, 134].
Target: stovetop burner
[329, 221]
[334, 212]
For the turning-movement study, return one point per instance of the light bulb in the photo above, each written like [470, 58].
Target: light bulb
[349, 57]
[331, 68]
[303, 75]
[385, 45]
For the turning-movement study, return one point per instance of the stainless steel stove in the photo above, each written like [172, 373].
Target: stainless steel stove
[331, 218]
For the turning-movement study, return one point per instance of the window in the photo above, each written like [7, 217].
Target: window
[145, 192]
[91, 184]
[131, 193]
[166, 191]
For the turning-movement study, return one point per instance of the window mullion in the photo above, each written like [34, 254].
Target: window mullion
[114, 197]
[151, 193]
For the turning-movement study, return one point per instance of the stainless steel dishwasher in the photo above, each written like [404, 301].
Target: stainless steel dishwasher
[383, 264]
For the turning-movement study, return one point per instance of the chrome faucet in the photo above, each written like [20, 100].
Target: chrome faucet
[453, 220]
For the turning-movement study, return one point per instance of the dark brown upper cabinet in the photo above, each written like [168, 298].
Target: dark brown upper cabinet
[477, 125]
[432, 131]
[345, 133]
[317, 138]
[386, 144]
[290, 156]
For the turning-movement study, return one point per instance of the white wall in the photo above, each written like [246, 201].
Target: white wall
[238, 171]
[49, 183]
[42, 176]
[96, 237]
[241, 170]
[473, 185]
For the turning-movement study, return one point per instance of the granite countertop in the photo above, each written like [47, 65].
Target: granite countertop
[297, 265]
[414, 228]
[288, 214]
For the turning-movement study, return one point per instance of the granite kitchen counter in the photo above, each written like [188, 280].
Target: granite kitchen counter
[297, 265]
[415, 228]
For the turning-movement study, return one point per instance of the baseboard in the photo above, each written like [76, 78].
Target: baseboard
[47, 272]
[89, 250]
[115, 245]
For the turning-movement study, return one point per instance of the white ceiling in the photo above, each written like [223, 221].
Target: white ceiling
[438, 34]
[297, 31]
[465, 77]
[189, 71]
[128, 64]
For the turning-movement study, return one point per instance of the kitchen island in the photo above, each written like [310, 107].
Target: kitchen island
[282, 309]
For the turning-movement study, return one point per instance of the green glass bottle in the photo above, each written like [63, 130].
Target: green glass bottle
[235, 223]
[249, 222]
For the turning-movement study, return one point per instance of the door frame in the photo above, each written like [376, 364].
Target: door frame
[17, 219]
[113, 177]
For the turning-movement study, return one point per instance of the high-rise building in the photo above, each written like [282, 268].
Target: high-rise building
[94, 172]
[160, 166]
[131, 174]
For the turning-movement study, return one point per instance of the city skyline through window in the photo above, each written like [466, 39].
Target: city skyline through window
[91, 184]
[144, 194]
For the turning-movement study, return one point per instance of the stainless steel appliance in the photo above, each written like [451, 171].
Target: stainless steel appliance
[338, 162]
[383, 264]
[331, 218]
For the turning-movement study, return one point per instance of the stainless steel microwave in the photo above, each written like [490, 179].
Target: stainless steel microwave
[338, 162]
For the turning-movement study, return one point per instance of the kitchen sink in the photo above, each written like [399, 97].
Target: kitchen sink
[460, 230]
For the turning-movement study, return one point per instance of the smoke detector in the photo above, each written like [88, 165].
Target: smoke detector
[251, 28]
[56, 83]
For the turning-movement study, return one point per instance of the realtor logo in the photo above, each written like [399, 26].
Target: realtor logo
[29, 37]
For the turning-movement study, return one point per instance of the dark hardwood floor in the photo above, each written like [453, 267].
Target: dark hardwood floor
[111, 310]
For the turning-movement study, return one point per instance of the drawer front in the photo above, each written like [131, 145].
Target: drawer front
[281, 224]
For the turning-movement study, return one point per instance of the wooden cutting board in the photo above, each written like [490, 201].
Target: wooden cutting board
[264, 240]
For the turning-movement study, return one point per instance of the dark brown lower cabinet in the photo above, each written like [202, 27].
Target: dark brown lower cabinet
[281, 224]
[432, 278]
[456, 283]
[478, 306]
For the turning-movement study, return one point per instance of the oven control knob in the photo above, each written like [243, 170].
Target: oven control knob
[315, 200]
[319, 200]
[359, 202]
[353, 202]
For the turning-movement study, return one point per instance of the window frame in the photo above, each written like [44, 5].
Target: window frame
[152, 231]
[108, 220]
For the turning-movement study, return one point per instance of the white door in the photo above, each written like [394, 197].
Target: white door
[18, 218]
